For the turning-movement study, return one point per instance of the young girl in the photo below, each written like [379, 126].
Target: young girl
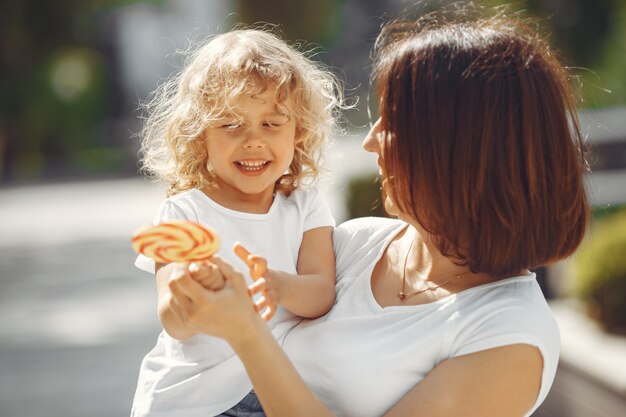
[235, 135]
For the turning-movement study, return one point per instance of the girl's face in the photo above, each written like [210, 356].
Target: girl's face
[374, 142]
[249, 151]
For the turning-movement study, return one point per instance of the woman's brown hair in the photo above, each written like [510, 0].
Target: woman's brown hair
[482, 142]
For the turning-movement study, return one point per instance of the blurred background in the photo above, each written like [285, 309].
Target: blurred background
[76, 317]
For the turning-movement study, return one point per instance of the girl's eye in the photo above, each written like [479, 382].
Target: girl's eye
[230, 126]
[273, 123]
[278, 122]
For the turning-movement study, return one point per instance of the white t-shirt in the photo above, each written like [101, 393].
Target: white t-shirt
[201, 376]
[360, 358]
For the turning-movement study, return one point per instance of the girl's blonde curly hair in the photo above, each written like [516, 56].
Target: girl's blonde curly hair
[243, 61]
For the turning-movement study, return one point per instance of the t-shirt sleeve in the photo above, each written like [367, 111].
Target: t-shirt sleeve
[506, 325]
[318, 212]
[167, 211]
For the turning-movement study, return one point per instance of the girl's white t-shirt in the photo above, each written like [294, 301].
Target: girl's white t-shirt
[201, 376]
[360, 358]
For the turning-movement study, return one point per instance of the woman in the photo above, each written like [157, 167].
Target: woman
[436, 313]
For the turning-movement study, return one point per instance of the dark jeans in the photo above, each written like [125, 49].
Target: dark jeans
[249, 406]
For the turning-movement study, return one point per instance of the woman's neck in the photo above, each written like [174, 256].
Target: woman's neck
[425, 262]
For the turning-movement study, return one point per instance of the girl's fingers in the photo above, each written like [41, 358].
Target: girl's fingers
[258, 266]
[256, 287]
[268, 305]
[260, 304]
[269, 312]
[264, 302]
[241, 252]
[198, 271]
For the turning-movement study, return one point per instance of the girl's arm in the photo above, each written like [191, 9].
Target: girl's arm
[500, 382]
[310, 293]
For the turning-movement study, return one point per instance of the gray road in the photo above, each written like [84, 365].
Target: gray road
[74, 329]
[75, 316]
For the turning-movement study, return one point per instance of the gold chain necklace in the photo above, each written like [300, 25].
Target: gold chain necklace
[431, 287]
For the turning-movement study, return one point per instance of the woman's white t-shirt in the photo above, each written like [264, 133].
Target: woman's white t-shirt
[360, 359]
[201, 376]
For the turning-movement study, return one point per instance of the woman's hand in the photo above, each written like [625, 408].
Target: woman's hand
[228, 313]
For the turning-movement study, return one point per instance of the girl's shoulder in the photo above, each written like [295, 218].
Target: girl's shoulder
[303, 194]
[181, 206]
[312, 206]
[183, 197]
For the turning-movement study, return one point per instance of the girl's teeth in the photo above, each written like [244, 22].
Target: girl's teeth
[252, 165]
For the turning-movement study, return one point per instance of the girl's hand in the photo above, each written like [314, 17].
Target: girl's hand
[207, 274]
[265, 282]
[228, 313]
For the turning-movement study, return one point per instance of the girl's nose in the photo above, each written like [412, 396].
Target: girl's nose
[253, 140]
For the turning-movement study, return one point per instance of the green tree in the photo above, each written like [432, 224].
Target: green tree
[591, 36]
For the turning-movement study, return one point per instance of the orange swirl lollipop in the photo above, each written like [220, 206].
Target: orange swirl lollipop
[176, 241]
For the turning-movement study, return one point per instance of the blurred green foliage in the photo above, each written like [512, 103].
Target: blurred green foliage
[316, 22]
[60, 92]
[364, 197]
[591, 36]
[600, 268]
[56, 90]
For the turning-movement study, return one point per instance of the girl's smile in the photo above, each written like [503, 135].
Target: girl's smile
[252, 168]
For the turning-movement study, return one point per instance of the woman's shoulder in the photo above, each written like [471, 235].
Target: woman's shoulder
[363, 235]
[520, 296]
[507, 311]
[365, 227]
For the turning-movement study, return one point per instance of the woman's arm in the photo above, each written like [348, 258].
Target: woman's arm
[279, 387]
[170, 322]
[501, 382]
